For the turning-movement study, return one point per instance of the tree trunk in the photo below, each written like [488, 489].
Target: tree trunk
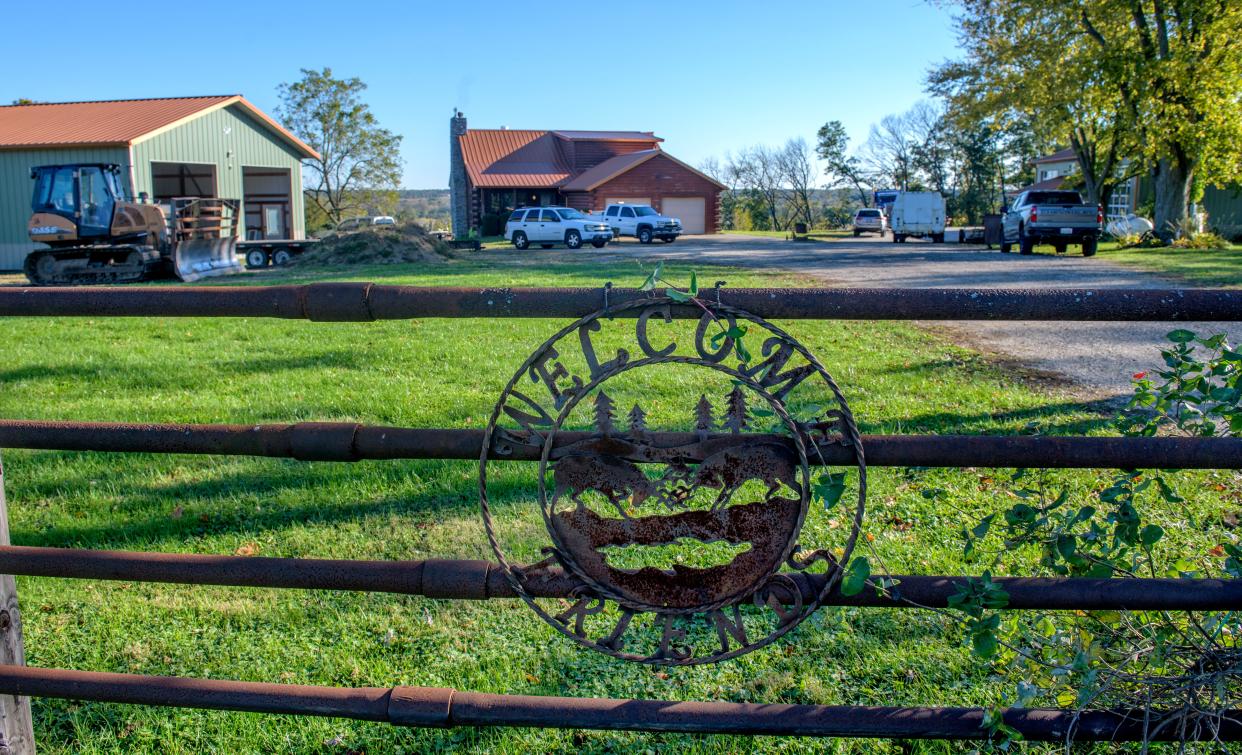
[1172, 178]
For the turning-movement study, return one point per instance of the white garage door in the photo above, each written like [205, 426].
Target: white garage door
[691, 210]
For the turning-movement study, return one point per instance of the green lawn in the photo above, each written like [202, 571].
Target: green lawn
[1204, 267]
[448, 373]
[1209, 267]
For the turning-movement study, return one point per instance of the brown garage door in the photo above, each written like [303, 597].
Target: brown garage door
[691, 210]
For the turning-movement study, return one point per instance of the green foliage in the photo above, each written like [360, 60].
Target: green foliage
[1204, 240]
[856, 576]
[1185, 667]
[359, 165]
[831, 146]
[1130, 85]
[1199, 391]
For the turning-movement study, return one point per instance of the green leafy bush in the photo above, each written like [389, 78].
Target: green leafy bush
[1184, 669]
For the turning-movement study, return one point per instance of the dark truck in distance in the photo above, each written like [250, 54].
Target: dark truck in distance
[1059, 218]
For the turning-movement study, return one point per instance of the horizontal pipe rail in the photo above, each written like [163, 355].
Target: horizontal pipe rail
[360, 302]
[344, 441]
[481, 580]
[442, 707]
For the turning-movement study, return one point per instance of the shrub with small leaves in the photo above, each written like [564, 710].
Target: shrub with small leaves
[1183, 668]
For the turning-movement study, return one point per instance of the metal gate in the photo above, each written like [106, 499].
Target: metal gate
[603, 461]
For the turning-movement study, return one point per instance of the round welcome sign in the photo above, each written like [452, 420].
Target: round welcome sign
[684, 526]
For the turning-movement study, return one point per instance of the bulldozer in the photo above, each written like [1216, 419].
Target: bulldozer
[95, 235]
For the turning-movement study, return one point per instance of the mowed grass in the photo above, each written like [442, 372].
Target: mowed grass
[448, 373]
[1206, 267]
[1203, 267]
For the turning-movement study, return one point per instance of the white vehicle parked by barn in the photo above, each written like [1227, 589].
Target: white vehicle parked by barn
[917, 213]
[640, 221]
[546, 226]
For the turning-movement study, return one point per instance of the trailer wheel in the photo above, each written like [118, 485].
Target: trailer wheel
[281, 257]
[256, 258]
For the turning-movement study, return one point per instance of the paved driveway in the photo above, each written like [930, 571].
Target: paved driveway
[1098, 356]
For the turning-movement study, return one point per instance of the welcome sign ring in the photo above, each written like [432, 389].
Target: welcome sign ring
[686, 527]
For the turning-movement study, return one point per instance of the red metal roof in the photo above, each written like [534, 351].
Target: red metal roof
[612, 136]
[609, 169]
[1059, 156]
[520, 158]
[513, 158]
[115, 122]
[1048, 184]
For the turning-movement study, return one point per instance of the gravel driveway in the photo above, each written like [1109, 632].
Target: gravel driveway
[1099, 357]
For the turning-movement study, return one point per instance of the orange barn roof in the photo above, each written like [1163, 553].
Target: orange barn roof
[118, 122]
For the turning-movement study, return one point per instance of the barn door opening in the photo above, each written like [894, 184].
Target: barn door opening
[267, 193]
[173, 180]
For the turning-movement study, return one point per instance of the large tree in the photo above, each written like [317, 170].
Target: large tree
[832, 145]
[359, 164]
[1128, 84]
[798, 171]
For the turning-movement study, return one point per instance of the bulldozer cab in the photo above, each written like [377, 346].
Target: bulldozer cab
[85, 194]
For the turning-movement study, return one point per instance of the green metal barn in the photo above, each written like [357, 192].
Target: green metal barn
[219, 146]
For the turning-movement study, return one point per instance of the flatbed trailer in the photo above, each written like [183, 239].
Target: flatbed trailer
[260, 253]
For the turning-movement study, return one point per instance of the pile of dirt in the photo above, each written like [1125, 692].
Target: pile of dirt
[378, 245]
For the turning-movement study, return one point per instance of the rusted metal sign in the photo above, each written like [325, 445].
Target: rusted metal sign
[685, 553]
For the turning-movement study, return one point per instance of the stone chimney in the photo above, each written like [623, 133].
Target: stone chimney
[459, 189]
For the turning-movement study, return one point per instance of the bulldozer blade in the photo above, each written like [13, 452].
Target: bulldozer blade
[206, 258]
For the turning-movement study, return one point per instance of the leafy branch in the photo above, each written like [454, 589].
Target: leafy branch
[691, 296]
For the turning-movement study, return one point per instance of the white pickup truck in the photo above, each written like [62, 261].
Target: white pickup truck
[640, 221]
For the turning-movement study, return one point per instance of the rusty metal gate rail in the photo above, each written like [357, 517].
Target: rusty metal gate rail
[480, 580]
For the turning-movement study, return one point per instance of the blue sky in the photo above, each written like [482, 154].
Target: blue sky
[709, 77]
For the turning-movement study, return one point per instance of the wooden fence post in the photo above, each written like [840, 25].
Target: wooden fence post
[16, 725]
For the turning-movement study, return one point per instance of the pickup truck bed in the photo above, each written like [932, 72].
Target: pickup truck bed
[1059, 218]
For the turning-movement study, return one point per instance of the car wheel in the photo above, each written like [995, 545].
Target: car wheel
[598, 243]
[1006, 247]
[644, 235]
[573, 239]
[856, 232]
[937, 238]
[1026, 244]
[1089, 246]
[281, 257]
[520, 241]
[256, 258]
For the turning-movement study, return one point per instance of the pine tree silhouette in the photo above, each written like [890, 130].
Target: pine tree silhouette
[735, 418]
[638, 423]
[703, 421]
[604, 413]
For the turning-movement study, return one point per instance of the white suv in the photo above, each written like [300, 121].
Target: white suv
[869, 220]
[546, 226]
